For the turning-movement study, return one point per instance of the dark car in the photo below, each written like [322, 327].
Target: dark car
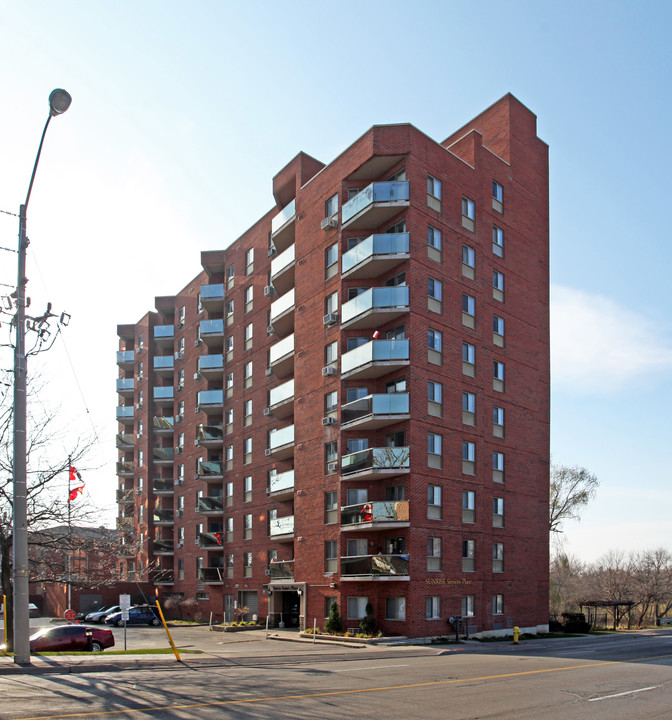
[71, 638]
[99, 615]
[137, 615]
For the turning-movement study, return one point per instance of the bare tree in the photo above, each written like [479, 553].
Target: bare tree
[572, 488]
[652, 584]
[566, 583]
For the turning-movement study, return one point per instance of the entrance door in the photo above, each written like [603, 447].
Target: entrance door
[291, 604]
[228, 608]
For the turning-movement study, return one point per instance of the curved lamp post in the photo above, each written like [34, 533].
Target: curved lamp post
[59, 102]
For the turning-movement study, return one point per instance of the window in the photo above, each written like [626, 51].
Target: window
[497, 282]
[395, 386]
[468, 256]
[434, 444]
[228, 344]
[433, 554]
[331, 303]
[497, 241]
[328, 602]
[468, 305]
[247, 450]
[498, 325]
[229, 276]
[180, 569]
[249, 332]
[498, 375]
[468, 353]
[498, 467]
[141, 341]
[357, 445]
[468, 506]
[331, 257]
[468, 452]
[468, 209]
[355, 393]
[498, 416]
[434, 238]
[331, 401]
[468, 555]
[434, 398]
[229, 381]
[229, 309]
[467, 606]
[395, 493]
[330, 507]
[434, 340]
[141, 457]
[434, 292]
[395, 608]
[247, 374]
[356, 496]
[247, 412]
[229, 565]
[434, 502]
[331, 353]
[247, 564]
[497, 512]
[497, 191]
[432, 607]
[357, 607]
[330, 556]
[228, 419]
[247, 526]
[249, 261]
[498, 604]
[249, 297]
[398, 279]
[434, 193]
[468, 403]
[331, 206]
[229, 453]
[498, 557]
[228, 529]
[331, 451]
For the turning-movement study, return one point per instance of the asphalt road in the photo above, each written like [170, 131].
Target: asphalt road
[611, 677]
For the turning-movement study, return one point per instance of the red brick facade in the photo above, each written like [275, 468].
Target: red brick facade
[489, 556]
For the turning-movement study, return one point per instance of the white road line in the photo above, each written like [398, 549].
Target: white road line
[629, 692]
[578, 651]
[375, 667]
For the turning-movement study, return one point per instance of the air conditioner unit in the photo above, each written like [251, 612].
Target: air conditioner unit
[328, 421]
[270, 330]
[328, 370]
[197, 376]
[180, 545]
[269, 290]
[197, 408]
[179, 512]
[179, 481]
[267, 452]
[180, 324]
[179, 418]
[179, 355]
[198, 342]
[179, 449]
[267, 571]
[267, 411]
[329, 222]
[272, 251]
[180, 387]
[138, 406]
[330, 318]
[332, 467]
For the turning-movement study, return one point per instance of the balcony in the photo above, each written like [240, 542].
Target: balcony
[125, 522]
[211, 401]
[281, 357]
[210, 540]
[212, 297]
[125, 497]
[375, 463]
[126, 386]
[210, 505]
[375, 307]
[163, 395]
[281, 400]
[163, 486]
[163, 425]
[282, 227]
[375, 204]
[375, 567]
[375, 358]
[281, 486]
[163, 365]
[125, 468]
[163, 455]
[375, 411]
[209, 436]
[163, 517]
[211, 366]
[126, 414]
[282, 314]
[126, 359]
[282, 529]
[162, 577]
[163, 547]
[375, 255]
[212, 332]
[211, 575]
[125, 441]
[281, 443]
[164, 335]
[210, 470]
[281, 570]
[383, 515]
[282, 270]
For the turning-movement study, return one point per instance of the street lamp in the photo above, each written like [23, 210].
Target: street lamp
[59, 102]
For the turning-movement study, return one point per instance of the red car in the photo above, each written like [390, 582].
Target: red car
[64, 638]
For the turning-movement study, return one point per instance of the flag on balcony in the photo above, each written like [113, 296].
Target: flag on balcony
[376, 334]
[74, 492]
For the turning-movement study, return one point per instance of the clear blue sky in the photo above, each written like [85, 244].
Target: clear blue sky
[183, 112]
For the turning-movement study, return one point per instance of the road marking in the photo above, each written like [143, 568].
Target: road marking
[622, 694]
[375, 667]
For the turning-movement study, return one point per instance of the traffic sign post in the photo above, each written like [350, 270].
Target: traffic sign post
[124, 604]
[69, 615]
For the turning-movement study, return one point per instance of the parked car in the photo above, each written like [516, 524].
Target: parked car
[137, 615]
[33, 610]
[70, 638]
[99, 615]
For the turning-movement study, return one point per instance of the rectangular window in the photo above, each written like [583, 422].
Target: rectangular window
[331, 206]
[434, 340]
[331, 260]
[331, 401]
[328, 602]
[434, 193]
[498, 325]
[468, 353]
[434, 502]
[497, 241]
[468, 506]
[498, 604]
[432, 607]
[468, 452]
[247, 374]
[395, 608]
[331, 353]
[434, 238]
[357, 607]
[247, 412]
[498, 512]
[498, 416]
[229, 309]
[434, 444]
[249, 261]
[331, 303]
[229, 381]
[247, 564]
[330, 507]
[468, 208]
[247, 450]
[228, 345]
[434, 391]
[468, 305]
[498, 374]
[468, 555]
[497, 191]
[434, 289]
[468, 256]
[498, 281]
[229, 277]
[468, 402]
[247, 487]
[467, 605]
[247, 525]
[498, 557]
[330, 556]
[498, 467]
[434, 554]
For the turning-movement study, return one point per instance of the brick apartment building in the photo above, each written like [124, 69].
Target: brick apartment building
[351, 401]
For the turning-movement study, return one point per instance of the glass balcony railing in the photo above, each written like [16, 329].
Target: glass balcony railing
[211, 327]
[210, 362]
[124, 496]
[281, 436]
[164, 362]
[210, 504]
[209, 433]
[384, 351]
[163, 392]
[212, 292]
[125, 467]
[281, 349]
[163, 454]
[380, 512]
[373, 459]
[377, 298]
[162, 577]
[282, 305]
[281, 393]
[283, 217]
[376, 192]
[283, 260]
[281, 481]
[125, 384]
[125, 412]
[375, 406]
[211, 575]
[163, 546]
[162, 485]
[208, 468]
[125, 440]
[125, 357]
[384, 244]
[282, 526]
[211, 397]
[163, 516]
[210, 539]
[162, 423]
[281, 570]
[375, 565]
[164, 332]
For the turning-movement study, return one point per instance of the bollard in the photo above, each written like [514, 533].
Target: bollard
[516, 634]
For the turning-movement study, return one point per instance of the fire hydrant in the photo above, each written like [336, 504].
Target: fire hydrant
[516, 634]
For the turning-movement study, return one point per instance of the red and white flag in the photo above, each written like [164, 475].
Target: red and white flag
[75, 476]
